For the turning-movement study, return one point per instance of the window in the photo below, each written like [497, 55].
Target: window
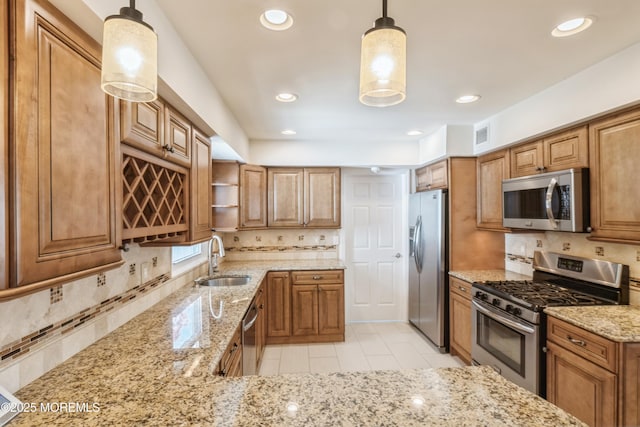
[185, 258]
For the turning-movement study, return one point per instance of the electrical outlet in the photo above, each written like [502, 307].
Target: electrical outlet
[145, 272]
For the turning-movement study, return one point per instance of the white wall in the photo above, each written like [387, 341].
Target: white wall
[449, 140]
[334, 153]
[609, 84]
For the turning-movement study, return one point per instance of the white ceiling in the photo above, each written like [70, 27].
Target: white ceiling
[500, 49]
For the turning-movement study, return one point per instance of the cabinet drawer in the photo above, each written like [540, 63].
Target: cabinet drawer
[460, 287]
[232, 356]
[314, 277]
[595, 348]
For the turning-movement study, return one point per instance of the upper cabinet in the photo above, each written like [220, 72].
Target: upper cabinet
[614, 144]
[4, 146]
[303, 197]
[65, 219]
[253, 196]
[492, 168]
[177, 137]
[432, 176]
[200, 218]
[565, 150]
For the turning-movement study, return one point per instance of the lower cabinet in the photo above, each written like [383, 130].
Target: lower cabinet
[591, 377]
[261, 323]
[231, 361]
[460, 319]
[305, 306]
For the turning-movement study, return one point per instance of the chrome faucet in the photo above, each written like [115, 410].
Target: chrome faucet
[213, 258]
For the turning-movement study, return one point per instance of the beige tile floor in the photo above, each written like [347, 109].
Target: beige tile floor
[367, 346]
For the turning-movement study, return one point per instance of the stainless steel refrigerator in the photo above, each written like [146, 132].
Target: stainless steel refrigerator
[428, 265]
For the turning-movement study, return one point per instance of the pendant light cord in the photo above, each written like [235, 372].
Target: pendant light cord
[384, 8]
[132, 4]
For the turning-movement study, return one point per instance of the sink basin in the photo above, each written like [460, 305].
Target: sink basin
[225, 281]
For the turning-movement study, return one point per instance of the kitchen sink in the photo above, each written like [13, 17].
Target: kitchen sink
[224, 281]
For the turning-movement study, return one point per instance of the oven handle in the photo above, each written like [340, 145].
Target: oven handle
[548, 200]
[495, 316]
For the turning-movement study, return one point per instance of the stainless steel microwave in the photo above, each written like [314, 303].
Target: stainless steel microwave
[554, 201]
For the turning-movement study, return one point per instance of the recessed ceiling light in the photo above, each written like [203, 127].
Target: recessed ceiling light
[288, 132]
[466, 99]
[286, 97]
[414, 132]
[276, 19]
[572, 26]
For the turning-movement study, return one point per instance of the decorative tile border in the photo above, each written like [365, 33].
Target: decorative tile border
[519, 258]
[42, 336]
[281, 248]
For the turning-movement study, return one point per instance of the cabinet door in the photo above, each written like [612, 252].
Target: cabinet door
[4, 146]
[614, 147]
[253, 196]
[630, 399]
[580, 387]
[460, 318]
[330, 309]
[438, 175]
[566, 150]
[177, 142]
[65, 221]
[422, 179]
[278, 304]
[261, 324]
[322, 197]
[285, 197]
[200, 226]
[142, 125]
[492, 169]
[304, 310]
[527, 159]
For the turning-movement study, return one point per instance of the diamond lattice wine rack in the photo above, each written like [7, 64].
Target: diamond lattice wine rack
[154, 198]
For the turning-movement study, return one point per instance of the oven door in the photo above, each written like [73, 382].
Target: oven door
[509, 345]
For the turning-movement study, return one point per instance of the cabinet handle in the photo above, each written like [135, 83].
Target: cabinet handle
[168, 148]
[261, 306]
[319, 289]
[577, 342]
[317, 277]
[462, 289]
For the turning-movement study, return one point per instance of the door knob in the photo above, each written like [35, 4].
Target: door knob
[398, 255]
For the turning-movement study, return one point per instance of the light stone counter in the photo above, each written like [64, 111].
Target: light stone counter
[487, 275]
[619, 323]
[160, 368]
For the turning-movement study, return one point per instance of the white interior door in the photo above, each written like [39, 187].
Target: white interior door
[375, 253]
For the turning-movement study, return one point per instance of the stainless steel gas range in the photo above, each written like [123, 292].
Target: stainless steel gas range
[509, 325]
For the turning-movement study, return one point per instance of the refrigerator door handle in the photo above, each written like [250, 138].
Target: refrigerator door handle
[417, 245]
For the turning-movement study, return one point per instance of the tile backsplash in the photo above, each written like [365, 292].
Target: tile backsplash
[281, 244]
[519, 250]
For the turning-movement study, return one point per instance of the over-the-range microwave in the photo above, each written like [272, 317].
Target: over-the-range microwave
[554, 201]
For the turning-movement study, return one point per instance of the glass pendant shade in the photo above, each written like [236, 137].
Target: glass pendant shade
[129, 57]
[383, 72]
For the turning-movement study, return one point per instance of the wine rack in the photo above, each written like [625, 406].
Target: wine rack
[154, 198]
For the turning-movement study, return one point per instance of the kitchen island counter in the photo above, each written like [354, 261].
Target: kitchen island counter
[160, 368]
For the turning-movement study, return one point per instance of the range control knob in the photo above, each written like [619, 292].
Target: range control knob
[517, 311]
[496, 302]
[509, 308]
[481, 295]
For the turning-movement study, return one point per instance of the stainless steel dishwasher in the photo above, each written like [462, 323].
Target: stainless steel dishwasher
[249, 349]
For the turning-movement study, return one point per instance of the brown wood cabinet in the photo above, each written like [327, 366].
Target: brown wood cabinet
[460, 319]
[303, 197]
[66, 223]
[253, 197]
[591, 377]
[278, 307]
[177, 137]
[564, 150]
[261, 323]
[200, 215]
[142, 125]
[4, 147]
[230, 364]
[492, 169]
[317, 306]
[614, 153]
[432, 177]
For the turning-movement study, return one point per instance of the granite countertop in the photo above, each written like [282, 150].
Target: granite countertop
[619, 323]
[487, 275]
[152, 370]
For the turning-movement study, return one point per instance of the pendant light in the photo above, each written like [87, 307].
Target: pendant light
[383, 73]
[129, 56]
